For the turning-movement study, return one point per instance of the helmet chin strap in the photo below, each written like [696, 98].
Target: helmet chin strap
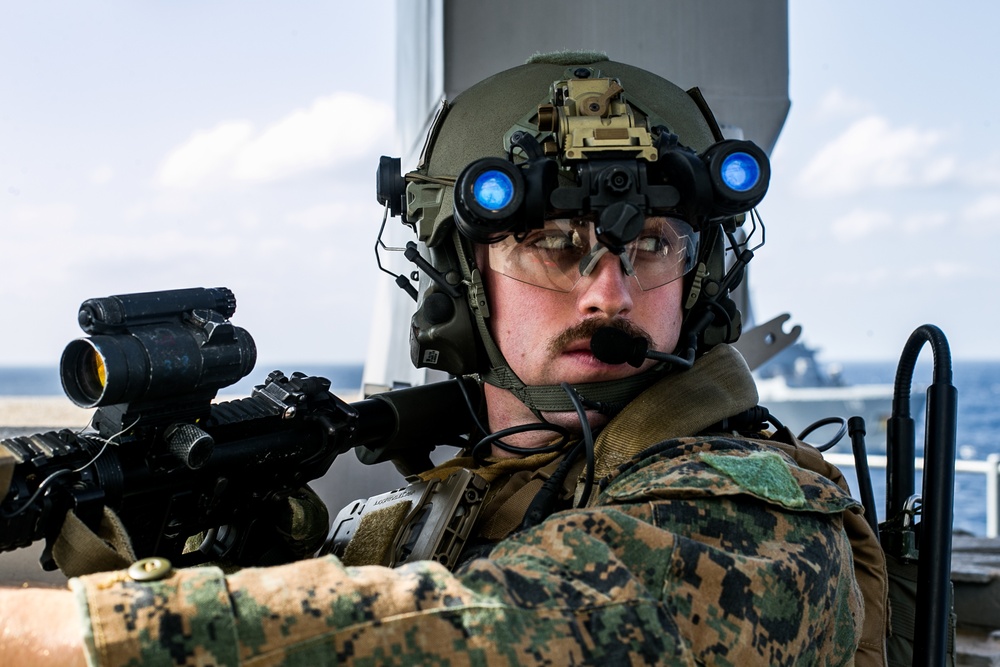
[607, 397]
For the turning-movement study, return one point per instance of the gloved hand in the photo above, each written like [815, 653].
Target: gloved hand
[288, 527]
[300, 520]
[78, 550]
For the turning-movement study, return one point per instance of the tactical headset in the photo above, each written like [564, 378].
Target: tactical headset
[570, 136]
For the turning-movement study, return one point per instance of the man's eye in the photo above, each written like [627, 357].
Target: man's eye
[555, 242]
[654, 244]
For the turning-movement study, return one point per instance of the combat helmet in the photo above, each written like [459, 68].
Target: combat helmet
[570, 135]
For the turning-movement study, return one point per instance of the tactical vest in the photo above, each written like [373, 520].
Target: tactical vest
[489, 503]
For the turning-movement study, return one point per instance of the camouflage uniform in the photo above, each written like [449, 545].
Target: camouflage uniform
[698, 550]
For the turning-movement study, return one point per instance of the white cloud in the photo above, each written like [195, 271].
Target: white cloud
[946, 270]
[837, 103]
[41, 220]
[871, 154]
[984, 209]
[912, 275]
[874, 275]
[859, 224]
[984, 171]
[102, 175]
[357, 215]
[332, 131]
[205, 156]
[166, 203]
[916, 223]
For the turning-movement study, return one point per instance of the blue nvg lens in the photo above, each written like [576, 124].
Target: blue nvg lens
[493, 190]
[740, 171]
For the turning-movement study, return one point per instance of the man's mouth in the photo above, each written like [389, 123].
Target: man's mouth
[579, 348]
[575, 341]
[579, 351]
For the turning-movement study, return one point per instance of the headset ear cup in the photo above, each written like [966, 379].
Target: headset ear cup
[721, 319]
[443, 333]
[390, 186]
[731, 325]
[714, 318]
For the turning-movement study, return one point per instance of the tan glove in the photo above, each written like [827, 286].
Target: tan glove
[78, 550]
[301, 519]
[292, 527]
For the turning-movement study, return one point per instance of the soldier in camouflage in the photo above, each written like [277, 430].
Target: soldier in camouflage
[634, 513]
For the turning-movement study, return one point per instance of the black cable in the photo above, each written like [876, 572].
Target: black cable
[472, 409]
[39, 491]
[774, 421]
[43, 485]
[841, 432]
[401, 281]
[747, 422]
[479, 455]
[541, 505]
[588, 441]
[719, 310]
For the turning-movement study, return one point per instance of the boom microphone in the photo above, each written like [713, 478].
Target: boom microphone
[614, 346]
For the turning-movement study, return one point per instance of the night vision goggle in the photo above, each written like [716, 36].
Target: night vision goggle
[496, 197]
[622, 171]
[645, 213]
[585, 157]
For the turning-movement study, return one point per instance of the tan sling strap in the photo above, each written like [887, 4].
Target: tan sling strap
[718, 386]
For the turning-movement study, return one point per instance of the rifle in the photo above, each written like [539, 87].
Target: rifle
[171, 463]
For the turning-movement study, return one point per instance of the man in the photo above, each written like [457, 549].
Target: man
[634, 514]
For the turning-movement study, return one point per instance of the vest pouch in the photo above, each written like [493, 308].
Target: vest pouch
[427, 520]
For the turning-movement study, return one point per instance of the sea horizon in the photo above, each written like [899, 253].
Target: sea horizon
[977, 382]
[43, 380]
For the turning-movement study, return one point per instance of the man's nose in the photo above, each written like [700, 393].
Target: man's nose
[607, 290]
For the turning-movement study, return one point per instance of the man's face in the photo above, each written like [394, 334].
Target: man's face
[545, 334]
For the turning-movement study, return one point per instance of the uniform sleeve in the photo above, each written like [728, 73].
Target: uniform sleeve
[643, 578]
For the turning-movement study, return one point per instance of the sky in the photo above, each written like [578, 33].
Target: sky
[158, 145]
[884, 209]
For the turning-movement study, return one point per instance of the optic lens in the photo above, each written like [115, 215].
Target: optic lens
[493, 190]
[84, 372]
[100, 371]
[740, 171]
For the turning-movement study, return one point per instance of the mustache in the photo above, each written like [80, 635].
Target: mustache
[587, 328]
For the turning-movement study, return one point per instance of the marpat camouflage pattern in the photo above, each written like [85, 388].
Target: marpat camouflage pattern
[711, 550]
[677, 564]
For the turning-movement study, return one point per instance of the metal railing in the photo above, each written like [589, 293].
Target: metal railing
[990, 468]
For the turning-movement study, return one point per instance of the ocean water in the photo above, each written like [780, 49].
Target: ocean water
[978, 433]
[44, 381]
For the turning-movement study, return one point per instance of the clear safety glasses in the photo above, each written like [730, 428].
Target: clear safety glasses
[564, 251]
